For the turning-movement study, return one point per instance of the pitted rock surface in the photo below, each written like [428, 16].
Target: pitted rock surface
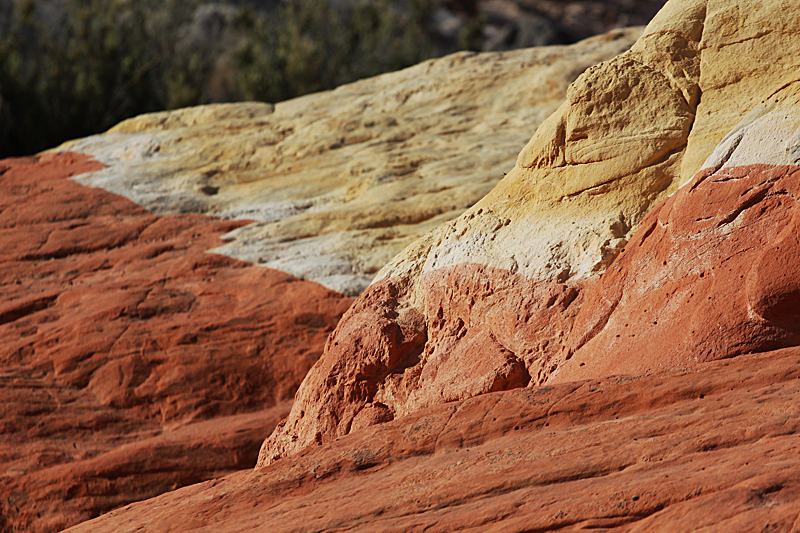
[713, 448]
[711, 273]
[340, 182]
[645, 244]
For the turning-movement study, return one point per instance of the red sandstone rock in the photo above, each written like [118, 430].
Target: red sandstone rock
[131, 361]
[710, 274]
[494, 294]
[713, 448]
[497, 325]
[689, 442]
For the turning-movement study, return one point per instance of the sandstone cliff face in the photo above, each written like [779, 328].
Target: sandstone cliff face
[132, 362]
[513, 292]
[340, 182]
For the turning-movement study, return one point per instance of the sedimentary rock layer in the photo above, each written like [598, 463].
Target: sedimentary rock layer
[713, 448]
[340, 182]
[513, 292]
[132, 362]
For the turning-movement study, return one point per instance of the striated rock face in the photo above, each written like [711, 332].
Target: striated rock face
[713, 448]
[513, 292]
[132, 362]
[340, 182]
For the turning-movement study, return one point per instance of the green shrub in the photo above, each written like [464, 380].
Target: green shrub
[85, 69]
[78, 69]
[319, 44]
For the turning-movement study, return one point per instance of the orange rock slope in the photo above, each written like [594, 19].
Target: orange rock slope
[712, 448]
[640, 376]
[703, 445]
[608, 340]
[131, 361]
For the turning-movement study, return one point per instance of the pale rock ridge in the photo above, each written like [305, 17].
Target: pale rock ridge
[339, 182]
[482, 290]
[763, 137]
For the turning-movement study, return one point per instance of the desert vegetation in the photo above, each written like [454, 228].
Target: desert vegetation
[75, 67]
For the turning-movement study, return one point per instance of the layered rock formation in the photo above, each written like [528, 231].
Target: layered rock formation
[132, 362]
[644, 245]
[512, 293]
[711, 273]
[340, 182]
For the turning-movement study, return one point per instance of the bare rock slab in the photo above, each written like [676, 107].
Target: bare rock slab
[713, 448]
[516, 291]
[133, 362]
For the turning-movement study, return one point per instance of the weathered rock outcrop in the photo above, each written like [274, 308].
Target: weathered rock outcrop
[713, 448]
[512, 293]
[644, 244]
[132, 362]
[712, 271]
[340, 182]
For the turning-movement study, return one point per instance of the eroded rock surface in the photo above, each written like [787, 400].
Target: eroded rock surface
[712, 271]
[132, 362]
[444, 400]
[713, 448]
[512, 293]
[340, 182]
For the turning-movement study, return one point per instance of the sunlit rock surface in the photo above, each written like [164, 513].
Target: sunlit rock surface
[340, 182]
[133, 362]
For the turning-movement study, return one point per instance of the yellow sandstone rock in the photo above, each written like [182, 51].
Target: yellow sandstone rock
[340, 182]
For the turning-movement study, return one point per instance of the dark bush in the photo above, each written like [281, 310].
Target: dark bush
[320, 44]
[77, 67]
[70, 68]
